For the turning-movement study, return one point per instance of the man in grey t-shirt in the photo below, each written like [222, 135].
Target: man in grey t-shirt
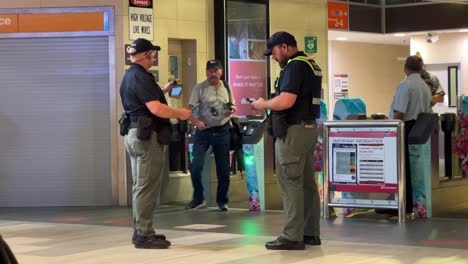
[412, 97]
[215, 105]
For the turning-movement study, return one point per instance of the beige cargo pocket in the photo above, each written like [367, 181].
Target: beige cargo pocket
[290, 166]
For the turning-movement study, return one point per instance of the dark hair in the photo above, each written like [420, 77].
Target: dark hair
[414, 63]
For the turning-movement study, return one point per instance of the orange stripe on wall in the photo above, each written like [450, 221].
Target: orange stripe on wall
[61, 22]
[8, 23]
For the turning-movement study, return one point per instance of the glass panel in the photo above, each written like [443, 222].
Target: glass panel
[371, 2]
[399, 2]
[247, 35]
[453, 86]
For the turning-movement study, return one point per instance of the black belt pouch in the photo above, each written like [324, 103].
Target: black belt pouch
[124, 124]
[144, 127]
[277, 124]
[164, 133]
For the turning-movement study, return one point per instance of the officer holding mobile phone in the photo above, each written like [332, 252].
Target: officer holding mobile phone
[145, 127]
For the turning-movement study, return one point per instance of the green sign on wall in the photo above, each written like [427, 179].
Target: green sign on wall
[310, 44]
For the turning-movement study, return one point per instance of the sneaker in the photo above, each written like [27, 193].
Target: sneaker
[150, 242]
[312, 240]
[223, 207]
[193, 205]
[157, 236]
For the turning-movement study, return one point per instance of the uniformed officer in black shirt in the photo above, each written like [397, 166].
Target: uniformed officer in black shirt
[145, 105]
[296, 104]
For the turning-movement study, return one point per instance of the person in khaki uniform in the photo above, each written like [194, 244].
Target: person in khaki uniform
[295, 107]
[148, 114]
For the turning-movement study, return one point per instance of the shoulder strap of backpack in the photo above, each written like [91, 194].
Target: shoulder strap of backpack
[228, 88]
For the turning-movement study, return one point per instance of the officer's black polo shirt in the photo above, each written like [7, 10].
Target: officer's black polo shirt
[139, 87]
[297, 78]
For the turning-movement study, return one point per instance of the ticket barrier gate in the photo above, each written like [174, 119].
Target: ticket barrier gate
[253, 128]
[450, 185]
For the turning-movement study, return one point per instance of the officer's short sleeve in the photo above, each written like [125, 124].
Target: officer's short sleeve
[293, 77]
[145, 89]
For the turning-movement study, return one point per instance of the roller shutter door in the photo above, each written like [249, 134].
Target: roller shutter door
[54, 122]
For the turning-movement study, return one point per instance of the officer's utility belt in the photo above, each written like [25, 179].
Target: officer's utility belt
[302, 122]
[278, 124]
[145, 126]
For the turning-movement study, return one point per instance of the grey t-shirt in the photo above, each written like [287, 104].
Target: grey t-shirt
[412, 97]
[211, 102]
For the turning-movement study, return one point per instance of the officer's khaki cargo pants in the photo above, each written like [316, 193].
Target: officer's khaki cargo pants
[295, 170]
[148, 160]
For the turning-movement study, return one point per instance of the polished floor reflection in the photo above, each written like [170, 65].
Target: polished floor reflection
[102, 235]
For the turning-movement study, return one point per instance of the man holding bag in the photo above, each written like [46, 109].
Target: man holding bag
[145, 126]
[215, 106]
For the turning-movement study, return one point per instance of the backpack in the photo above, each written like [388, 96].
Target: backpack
[235, 134]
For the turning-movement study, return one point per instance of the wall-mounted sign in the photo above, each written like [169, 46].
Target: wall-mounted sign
[310, 44]
[338, 15]
[140, 16]
[8, 23]
[53, 22]
[340, 86]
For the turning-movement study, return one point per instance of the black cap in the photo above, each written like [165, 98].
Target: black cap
[214, 64]
[281, 37]
[141, 45]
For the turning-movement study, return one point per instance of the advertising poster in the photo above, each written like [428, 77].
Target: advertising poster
[246, 63]
[248, 80]
[363, 160]
[140, 18]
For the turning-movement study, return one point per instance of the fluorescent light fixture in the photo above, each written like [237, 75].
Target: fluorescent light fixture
[341, 38]
[463, 30]
[399, 35]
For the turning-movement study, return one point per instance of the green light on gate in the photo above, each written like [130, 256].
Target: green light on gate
[249, 159]
[249, 227]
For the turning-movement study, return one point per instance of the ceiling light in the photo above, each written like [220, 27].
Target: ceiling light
[341, 38]
[399, 35]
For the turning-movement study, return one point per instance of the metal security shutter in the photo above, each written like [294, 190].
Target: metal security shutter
[54, 122]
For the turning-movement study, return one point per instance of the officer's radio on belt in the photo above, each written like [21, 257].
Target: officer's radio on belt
[277, 124]
[124, 124]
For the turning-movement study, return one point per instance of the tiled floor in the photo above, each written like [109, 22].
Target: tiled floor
[102, 235]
